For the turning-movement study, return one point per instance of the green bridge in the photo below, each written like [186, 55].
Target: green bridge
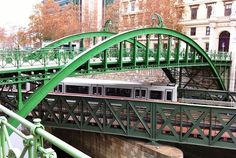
[109, 52]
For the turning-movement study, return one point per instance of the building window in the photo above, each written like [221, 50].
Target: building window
[209, 11]
[140, 3]
[207, 46]
[132, 20]
[125, 6]
[125, 21]
[194, 13]
[228, 7]
[193, 31]
[208, 30]
[140, 19]
[132, 6]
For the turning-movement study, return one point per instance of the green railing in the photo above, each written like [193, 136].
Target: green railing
[33, 143]
[58, 57]
[212, 126]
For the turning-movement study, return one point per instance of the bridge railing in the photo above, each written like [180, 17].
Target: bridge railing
[33, 143]
[58, 57]
[206, 94]
[214, 55]
[128, 52]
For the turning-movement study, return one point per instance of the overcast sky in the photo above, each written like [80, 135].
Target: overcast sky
[16, 12]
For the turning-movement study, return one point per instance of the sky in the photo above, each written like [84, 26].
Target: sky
[16, 12]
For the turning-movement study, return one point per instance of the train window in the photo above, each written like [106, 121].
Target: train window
[143, 93]
[140, 93]
[97, 90]
[77, 89]
[118, 92]
[169, 95]
[156, 94]
[137, 91]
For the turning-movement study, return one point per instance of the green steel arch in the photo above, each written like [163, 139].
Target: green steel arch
[75, 37]
[82, 58]
[79, 36]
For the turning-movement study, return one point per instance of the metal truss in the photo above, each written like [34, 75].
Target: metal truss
[155, 121]
[112, 55]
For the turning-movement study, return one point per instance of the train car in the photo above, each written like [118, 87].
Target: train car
[117, 88]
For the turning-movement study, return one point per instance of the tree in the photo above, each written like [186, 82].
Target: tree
[50, 21]
[21, 37]
[68, 21]
[2, 34]
[143, 11]
[169, 10]
[112, 13]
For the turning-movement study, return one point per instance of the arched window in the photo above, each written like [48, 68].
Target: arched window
[224, 41]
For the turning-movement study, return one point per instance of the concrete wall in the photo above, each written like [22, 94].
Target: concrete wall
[108, 146]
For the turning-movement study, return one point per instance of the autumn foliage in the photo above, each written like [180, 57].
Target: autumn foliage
[50, 21]
[2, 34]
[169, 10]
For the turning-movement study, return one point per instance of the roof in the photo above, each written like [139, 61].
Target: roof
[75, 80]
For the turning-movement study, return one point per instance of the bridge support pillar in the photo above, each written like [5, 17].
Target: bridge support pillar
[106, 146]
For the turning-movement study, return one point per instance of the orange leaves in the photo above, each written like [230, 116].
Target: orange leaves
[50, 21]
[2, 34]
[136, 14]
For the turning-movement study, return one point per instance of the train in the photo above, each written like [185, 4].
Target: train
[117, 89]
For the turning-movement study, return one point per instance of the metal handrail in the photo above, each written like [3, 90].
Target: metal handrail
[37, 130]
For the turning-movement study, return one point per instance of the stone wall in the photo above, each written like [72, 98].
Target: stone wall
[108, 146]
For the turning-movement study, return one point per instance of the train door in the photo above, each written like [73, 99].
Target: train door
[140, 93]
[168, 94]
[97, 90]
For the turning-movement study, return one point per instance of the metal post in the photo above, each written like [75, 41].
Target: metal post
[194, 56]
[105, 59]
[180, 76]
[159, 49]
[147, 49]
[177, 51]
[121, 53]
[186, 53]
[134, 51]
[94, 40]
[154, 121]
[168, 55]
[19, 95]
[3, 140]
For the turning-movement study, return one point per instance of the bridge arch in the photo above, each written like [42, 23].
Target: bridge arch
[74, 37]
[82, 58]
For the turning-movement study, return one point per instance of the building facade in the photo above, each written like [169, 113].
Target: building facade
[212, 24]
[92, 12]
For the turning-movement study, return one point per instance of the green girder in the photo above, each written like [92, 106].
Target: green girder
[82, 58]
[74, 37]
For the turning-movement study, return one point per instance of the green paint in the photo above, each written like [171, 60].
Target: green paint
[82, 58]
